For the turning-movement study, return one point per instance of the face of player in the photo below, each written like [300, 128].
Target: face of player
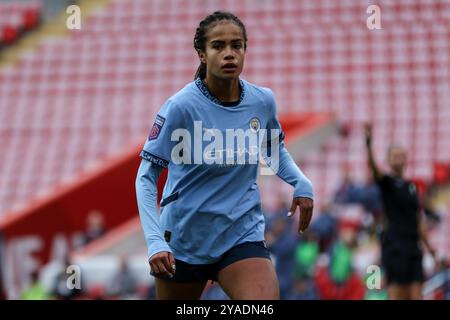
[397, 160]
[225, 51]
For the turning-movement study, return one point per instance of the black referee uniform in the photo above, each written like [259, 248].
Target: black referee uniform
[400, 240]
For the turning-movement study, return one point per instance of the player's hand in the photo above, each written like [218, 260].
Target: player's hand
[368, 132]
[162, 263]
[306, 211]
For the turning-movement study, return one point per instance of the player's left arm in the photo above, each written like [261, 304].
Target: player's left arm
[285, 167]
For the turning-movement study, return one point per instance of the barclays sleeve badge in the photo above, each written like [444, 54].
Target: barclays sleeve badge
[156, 128]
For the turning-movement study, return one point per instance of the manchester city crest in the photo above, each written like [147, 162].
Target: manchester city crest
[255, 124]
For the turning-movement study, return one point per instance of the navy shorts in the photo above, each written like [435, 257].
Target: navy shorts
[186, 272]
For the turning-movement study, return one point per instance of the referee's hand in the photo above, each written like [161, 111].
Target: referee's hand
[162, 264]
[306, 211]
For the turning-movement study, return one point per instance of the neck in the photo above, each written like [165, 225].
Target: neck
[226, 90]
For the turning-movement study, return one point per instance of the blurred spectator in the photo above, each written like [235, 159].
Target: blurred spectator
[95, 228]
[371, 199]
[376, 294]
[306, 253]
[338, 280]
[281, 240]
[324, 226]
[35, 291]
[123, 285]
[303, 289]
[61, 288]
[368, 194]
[340, 263]
[345, 192]
[443, 276]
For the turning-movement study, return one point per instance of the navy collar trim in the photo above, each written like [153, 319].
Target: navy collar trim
[204, 90]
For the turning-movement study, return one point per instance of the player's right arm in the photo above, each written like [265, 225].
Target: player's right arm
[156, 155]
[160, 256]
[377, 174]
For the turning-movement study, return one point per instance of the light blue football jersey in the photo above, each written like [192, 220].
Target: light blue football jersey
[210, 201]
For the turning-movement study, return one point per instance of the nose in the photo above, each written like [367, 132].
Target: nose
[229, 54]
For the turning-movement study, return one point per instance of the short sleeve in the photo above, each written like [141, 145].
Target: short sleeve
[159, 145]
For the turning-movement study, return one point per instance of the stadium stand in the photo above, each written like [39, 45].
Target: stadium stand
[99, 88]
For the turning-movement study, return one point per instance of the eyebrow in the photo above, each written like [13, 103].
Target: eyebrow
[221, 41]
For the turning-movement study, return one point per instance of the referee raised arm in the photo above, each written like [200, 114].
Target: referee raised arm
[403, 232]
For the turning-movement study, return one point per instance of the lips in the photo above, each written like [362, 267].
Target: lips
[229, 66]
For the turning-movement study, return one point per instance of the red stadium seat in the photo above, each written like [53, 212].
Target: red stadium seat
[30, 18]
[441, 173]
[10, 34]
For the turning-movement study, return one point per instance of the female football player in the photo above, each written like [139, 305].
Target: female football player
[211, 226]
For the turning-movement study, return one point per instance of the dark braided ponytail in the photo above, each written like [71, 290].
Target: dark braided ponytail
[207, 23]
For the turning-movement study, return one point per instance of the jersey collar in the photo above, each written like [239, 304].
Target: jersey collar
[204, 90]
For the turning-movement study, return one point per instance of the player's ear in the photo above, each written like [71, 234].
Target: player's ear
[202, 56]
